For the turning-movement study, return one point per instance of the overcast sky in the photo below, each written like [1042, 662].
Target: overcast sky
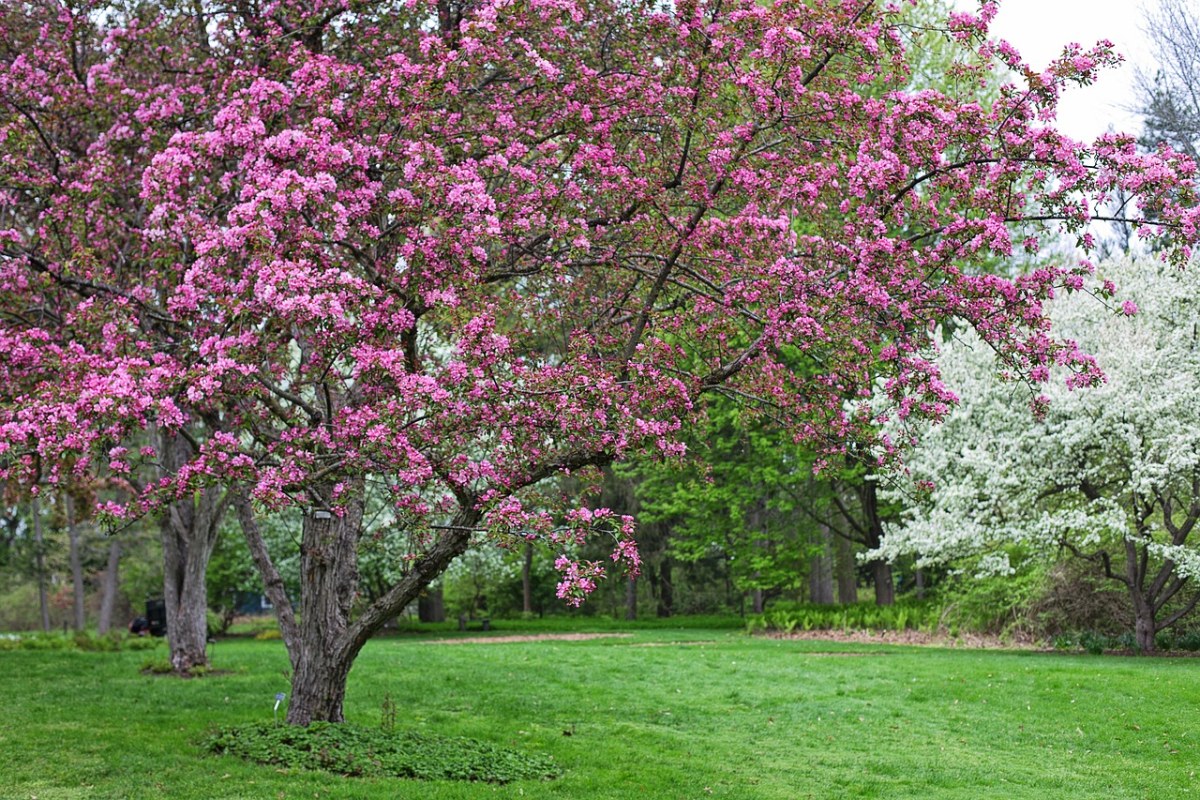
[1040, 28]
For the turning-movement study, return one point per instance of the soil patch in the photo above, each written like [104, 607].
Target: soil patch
[533, 637]
[919, 638]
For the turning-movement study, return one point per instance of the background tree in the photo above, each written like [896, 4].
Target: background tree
[90, 92]
[1109, 474]
[1168, 96]
[732, 500]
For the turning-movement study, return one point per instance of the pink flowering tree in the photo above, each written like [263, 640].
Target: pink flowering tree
[84, 105]
[444, 253]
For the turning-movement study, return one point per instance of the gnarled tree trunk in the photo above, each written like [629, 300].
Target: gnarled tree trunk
[324, 642]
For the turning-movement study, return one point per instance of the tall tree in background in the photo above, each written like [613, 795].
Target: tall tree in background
[448, 252]
[1169, 95]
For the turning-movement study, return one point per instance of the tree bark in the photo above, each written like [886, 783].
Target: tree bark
[820, 574]
[76, 561]
[881, 571]
[431, 606]
[527, 580]
[109, 586]
[1143, 627]
[39, 557]
[666, 589]
[847, 574]
[189, 529]
[756, 600]
[885, 590]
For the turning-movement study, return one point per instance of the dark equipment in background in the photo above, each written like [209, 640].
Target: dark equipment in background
[156, 615]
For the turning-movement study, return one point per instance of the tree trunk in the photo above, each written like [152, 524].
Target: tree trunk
[109, 586]
[39, 556]
[919, 574]
[666, 590]
[318, 683]
[527, 580]
[820, 574]
[756, 600]
[1144, 629]
[881, 571]
[631, 598]
[322, 644]
[885, 590]
[76, 562]
[847, 574]
[431, 606]
[189, 530]
[329, 581]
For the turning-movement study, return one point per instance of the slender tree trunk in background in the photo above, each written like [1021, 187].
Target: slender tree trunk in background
[666, 590]
[431, 606]
[847, 574]
[881, 571]
[820, 572]
[527, 580]
[885, 590]
[40, 562]
[756, 600]
[631, 598]
[109, 586]
[189, 529]
[76, 561]
[758, 523]
[920, 576]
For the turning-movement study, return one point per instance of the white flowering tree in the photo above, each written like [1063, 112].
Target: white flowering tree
[1110, 474]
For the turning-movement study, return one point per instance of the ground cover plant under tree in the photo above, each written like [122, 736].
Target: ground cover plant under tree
[441, 253]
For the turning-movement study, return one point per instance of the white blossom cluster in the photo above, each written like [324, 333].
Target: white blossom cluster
[1098, 466]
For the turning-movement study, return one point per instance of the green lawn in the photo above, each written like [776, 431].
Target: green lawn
[664, 713]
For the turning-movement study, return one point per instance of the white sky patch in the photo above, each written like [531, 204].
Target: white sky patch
[1039, 29]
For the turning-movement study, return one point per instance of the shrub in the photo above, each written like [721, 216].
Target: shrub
[1189, 640]
[76, 640]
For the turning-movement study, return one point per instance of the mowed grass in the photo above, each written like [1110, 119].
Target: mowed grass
[663, 713]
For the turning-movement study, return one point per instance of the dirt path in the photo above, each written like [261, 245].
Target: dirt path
[967, 641]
